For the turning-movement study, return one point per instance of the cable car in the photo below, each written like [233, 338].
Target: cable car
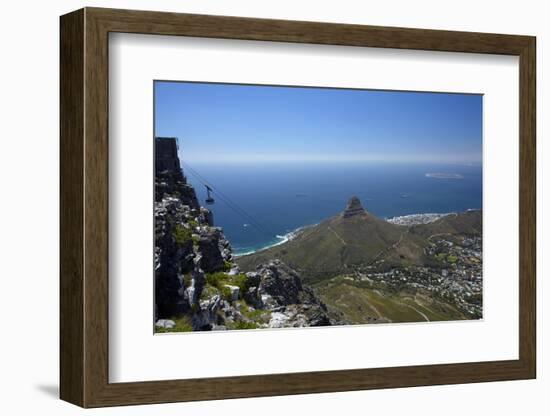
[209, 200]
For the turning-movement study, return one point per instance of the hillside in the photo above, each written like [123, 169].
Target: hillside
[365, 302]
[357, 239]
[465, 223]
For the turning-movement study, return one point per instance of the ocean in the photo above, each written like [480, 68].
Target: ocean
[259, 205]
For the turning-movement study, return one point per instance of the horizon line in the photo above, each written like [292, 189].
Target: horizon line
[338, 159]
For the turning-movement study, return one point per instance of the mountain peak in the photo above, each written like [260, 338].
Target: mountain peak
[353, 208]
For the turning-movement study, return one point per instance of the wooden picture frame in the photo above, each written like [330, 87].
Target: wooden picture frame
[84, 207]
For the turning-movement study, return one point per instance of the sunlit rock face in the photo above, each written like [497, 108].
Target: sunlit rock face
[354, 208]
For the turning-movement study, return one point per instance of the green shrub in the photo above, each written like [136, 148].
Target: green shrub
[240, 281]
[181, 234]
[183, 324]
[257, 315]
[242, 325]
[242, 306]
[219, 280]
[208, 291]
[226, 293]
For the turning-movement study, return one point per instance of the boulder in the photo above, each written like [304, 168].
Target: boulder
[165, 323]
[253, 279]
[280, 282]
[281, 290]
[234, 271]
[219, 328]
[211, 260]
[253, 298]
[234, 291]
[227, 254]
[278, 320]
[207, 315]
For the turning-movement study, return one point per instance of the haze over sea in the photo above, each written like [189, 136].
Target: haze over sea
[270, 200]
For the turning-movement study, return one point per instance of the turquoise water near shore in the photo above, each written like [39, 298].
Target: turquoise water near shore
[258, 205]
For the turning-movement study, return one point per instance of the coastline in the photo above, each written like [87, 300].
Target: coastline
[281, 240]
[404, 220]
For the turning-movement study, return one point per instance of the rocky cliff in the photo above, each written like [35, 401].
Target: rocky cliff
[198, 286]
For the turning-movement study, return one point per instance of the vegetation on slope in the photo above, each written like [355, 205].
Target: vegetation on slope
[339, 245]
[363, 303]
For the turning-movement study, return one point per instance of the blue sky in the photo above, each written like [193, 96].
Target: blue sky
[241, 123]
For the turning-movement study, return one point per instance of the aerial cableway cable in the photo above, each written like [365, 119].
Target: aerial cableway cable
[228, 200]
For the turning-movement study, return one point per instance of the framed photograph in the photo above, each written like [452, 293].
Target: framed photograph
[255, 207]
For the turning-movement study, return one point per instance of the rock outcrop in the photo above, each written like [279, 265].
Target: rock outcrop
[279, 288]
[186, 244]
[209, 246]
[173, 183]
[353, 208]
[199, 287]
